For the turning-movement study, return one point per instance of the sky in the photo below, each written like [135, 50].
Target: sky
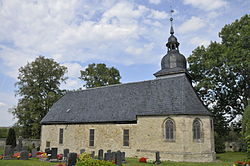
[129, 35]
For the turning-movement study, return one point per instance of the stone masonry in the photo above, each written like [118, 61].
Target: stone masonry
[145, 138]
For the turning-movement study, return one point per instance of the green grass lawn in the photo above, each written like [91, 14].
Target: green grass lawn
[30, 162]
[224, 159]
[1, 151]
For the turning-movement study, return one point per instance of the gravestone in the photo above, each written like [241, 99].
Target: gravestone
[65, 153]
[19, 144]
[34, 152]
[100, 154]
[113, 155]
[157, 158]
[118, 158]
[53, 153]
[24, 155]
[106, 156]
[92, 154]
[8, 151]
[82, 151]
[71, 159]
[48, 151]
[123, 157]
[109, 155]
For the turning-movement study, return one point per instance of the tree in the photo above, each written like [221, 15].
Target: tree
[221, 73]
[97, 75]
[38, 87]
[11, 138]
[246, 122]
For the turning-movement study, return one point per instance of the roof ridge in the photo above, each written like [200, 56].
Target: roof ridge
[128, 83]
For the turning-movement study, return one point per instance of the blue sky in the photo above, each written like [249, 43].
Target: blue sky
[127, 34]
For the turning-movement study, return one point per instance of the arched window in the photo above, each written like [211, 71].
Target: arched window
[197, 130]
[169, 126]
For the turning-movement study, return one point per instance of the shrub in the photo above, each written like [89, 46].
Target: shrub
[11, 138]
[219, 143]
[84, 156]
[248, 146]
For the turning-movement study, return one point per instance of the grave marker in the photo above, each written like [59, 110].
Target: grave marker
[100, 154]
[106, 156]
[123, 157]
[72, 159]
[53, 153]
[34, 152]
[24, 155]
[118, 159]
[82, 151]
[65, 153]
[92, 154]
[157, 158]
[109, 155]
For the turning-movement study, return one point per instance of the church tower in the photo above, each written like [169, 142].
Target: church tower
[173, 62]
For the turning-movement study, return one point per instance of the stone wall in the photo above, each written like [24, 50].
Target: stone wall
[145, 138]
[26, 142]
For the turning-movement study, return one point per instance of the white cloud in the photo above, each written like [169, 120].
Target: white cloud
[71, 31]
[206, 5]
[2, 104]
[73, 69]
[193, 24]
[155, 1]
[197, 41]
[158, 14]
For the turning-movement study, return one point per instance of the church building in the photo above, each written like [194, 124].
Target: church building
[164, 114]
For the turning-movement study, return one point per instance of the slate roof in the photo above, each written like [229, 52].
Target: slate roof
[172, 95]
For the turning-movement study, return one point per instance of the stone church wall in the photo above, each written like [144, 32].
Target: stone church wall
[145, 138]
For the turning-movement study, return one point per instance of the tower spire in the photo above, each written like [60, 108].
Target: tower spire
[171, 20]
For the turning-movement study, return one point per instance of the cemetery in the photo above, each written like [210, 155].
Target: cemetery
[23, 156]
[195, 111]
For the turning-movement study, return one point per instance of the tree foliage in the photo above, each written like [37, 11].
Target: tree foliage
[3, 132]
[246, 122]
[97, 75]
[11, 138]
[221, 72]
[38, 87]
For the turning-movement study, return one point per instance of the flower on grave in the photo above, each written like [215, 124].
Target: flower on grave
[1, 157]
[40, 153]
[240, 163]
[143, 160]
[150, 161]
[16, 155]
[60, 156]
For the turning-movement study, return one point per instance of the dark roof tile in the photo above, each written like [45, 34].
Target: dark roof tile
[123, 102]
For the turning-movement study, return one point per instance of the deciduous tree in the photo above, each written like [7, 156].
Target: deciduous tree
[221, 73]
[38, 88]
[96, 75]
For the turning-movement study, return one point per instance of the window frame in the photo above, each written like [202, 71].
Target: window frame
[166, 128]
[91, 137]
[126, 137]
[61, 133]
[197, 130]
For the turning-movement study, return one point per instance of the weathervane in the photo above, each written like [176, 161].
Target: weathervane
[171, 20]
